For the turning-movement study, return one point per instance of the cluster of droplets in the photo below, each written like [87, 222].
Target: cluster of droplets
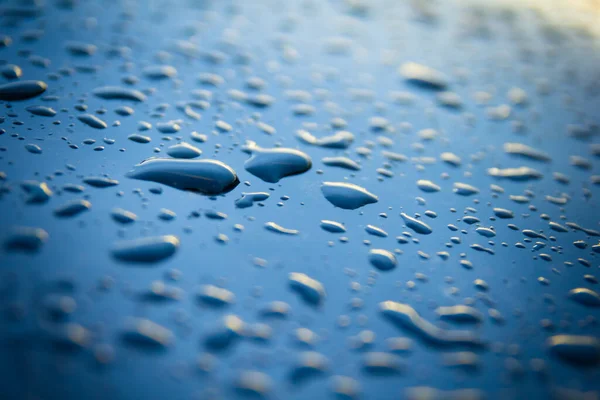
[356, 165]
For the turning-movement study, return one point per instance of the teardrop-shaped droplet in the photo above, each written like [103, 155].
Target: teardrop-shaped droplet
[146, 250]
[347, 195]
[119, 93]
[271, 165]
[210, 177]
[382, 259]
[22, 90]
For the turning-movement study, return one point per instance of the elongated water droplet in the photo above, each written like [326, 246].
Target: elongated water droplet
[347, 195]
[416, 225]
[311, 290]
[576, 348]
[27, 239]
[146, 250]
[209, 177]
[273, 227]
[332, 226]
[119, 93]
[72, 208]
[93, 121]
[21, 90]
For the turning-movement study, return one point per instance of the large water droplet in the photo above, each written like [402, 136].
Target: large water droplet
[146, 250]
[271, 165]
[210, 177]
[21, 90]
[347, 195]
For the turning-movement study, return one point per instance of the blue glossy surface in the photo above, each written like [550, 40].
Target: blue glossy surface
[500, 48]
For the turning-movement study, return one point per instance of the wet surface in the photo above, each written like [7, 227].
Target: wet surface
[299, 199]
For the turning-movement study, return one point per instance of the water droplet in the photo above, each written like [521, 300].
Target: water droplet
[230, 329]
[522, 150]
[135, 137]
[311, 290]
[339, 140]
[100, 182]
[382, 259]
[11, 71]
[347, 195]
[72, 208]
[146, 333]
[37, 192]
[271, 165]
[157, 72]
[460, 313]
[146, 250]
[273, 227]
[416, 225]
[93, 121]
[255, 384]
[504, 213]
[332, 226]
[423, 76]
[516, 174]
[27, 239]
[123, 216]
[248, 199]
[464, 189]
[119, 93]
[585, 296]
[427, 186]
[80, 48]
[215, 296]
[380, 363]
[375, 231]
[184, 150]
[22, 90]
[310, 364]
[576, 348]
[407, 317]
[41, 111]
[209, 177]
[33, 148]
